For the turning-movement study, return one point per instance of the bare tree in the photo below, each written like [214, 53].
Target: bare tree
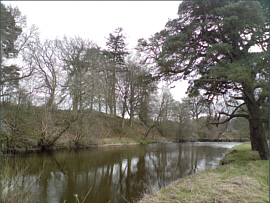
[48, 68]
[74, 54]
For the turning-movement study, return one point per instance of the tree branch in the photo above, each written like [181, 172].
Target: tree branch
[231, 116]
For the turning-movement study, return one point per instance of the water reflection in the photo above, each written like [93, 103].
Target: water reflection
[117, 173]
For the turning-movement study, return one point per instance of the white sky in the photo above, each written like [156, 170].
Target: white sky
[94, 20]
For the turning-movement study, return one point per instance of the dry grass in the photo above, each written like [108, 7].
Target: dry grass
[14, 188]
[235, 182]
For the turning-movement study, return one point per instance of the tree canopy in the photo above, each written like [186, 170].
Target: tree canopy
[222, 48]
[10, 30]
[13, 42]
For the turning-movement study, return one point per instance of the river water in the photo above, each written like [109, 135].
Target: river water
[117, 173]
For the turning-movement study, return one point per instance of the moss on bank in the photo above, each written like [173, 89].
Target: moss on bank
[241, 178]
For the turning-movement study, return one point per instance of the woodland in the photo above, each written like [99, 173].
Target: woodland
[70, 87]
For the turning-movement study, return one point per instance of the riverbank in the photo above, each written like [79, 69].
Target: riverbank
[32, 129]
[98, 142]
[240, 177]
[91, 129]
[215, 140]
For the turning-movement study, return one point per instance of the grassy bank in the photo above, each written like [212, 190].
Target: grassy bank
[32, 128]
[94, 142]
[29, 129]
[241, 177]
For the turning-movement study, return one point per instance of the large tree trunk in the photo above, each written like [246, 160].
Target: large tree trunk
[51, 100]
[131, 104]
[99, 103]
[110, 97]
[257, 136]
[75, 103]
[123, 114]
[75, 95]
[113, 92]
[149, 129]
[131, 115]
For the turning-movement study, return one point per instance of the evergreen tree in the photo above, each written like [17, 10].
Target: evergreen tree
[117, 52]
[212, 45]
[10, 32]
[14, 42]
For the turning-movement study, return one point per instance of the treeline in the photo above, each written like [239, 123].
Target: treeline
[71, 74]
[76, 75]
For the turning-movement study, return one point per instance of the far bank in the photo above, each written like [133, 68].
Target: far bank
[31, 129]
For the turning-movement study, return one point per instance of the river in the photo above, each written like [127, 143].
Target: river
[117, 173]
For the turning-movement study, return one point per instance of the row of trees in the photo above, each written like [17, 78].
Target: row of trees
[211, 44]
[71, 73]
[74, 73]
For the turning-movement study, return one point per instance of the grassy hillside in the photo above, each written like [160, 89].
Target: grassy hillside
[23, 128]
[31, 128]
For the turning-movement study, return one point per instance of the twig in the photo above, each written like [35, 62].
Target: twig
[87, 194]
[125, 199]
[77, 199]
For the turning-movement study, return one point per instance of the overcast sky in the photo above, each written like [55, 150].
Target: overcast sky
[94, 20]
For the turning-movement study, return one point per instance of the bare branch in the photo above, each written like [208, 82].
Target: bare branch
[231, 116]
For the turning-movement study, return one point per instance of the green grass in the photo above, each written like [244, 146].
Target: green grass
[241, 153]
[241, 156]
[126, 141]
[116, 141]
[242, 178]
[142, 140]
[246, 147]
